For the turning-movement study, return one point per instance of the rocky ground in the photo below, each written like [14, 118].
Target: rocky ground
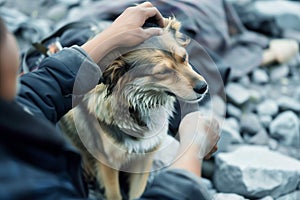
[259, 156]
[259, 151]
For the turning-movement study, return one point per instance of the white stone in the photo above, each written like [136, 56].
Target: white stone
[227, 196]
[256, 171]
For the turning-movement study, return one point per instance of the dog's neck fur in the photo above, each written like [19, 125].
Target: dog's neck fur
[139, 115]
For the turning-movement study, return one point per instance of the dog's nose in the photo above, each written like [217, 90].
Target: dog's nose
[200, 87]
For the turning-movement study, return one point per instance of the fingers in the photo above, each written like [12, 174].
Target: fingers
[151, 11]
[146, 4]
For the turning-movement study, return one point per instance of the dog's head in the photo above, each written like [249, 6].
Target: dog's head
[162, 66]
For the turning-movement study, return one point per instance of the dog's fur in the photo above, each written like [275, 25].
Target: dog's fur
[129, 112]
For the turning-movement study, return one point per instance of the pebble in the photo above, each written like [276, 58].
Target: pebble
[250, 123]
[285, 128]
[267, 107]
[260, 76]
[288, 103]
[237, 93]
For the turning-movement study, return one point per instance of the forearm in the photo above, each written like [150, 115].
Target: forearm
[100, 45]
[188, 159]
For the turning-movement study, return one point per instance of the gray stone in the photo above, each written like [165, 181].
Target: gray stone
[279, 72]
[288, 103]
[296, 94]
[265, 120]
[233, 123]
[260, 76]
[233, 111]
[227, 196]
[261, 138]
[255, 95]
[244, 81]
[237, 93]
[273, 144]
[285, 128]
[250, 123]
[229, 135]
[267, 107]
[256, 172]
[291, 196]
[57, 12]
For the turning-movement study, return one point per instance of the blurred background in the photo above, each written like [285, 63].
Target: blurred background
[256, 43]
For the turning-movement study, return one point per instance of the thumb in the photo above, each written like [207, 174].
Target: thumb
[153, 31]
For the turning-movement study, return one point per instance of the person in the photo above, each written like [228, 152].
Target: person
[36, 161]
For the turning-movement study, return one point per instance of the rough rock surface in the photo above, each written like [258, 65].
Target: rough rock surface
[255, 172]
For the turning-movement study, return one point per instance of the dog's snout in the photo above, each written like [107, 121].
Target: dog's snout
[200, 87]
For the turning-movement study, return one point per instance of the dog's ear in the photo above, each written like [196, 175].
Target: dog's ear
[112, 74]
[173, 25]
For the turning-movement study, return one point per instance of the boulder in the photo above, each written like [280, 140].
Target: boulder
[255, 172]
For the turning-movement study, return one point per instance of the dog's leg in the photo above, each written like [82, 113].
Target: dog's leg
[138, 184]
[109, 178]
[138, 181]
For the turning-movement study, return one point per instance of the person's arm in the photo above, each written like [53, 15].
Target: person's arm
[198, 141]
[48, 91]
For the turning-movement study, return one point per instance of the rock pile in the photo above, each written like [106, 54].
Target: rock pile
[259, 154]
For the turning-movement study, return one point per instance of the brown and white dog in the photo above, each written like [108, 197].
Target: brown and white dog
[126, 117]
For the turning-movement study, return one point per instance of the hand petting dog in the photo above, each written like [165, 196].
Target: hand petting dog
[125, 31]
[199, 132]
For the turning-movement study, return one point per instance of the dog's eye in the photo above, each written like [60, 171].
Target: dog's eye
[184, 58]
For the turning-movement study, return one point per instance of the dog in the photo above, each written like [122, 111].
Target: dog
[130, 110]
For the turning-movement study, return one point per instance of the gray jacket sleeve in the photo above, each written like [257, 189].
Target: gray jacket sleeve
[48, 92]
[175, 184]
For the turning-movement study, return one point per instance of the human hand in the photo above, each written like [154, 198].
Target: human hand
[199, 133]
[127, 29]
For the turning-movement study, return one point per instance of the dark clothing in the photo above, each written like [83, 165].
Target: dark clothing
[36, 162]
